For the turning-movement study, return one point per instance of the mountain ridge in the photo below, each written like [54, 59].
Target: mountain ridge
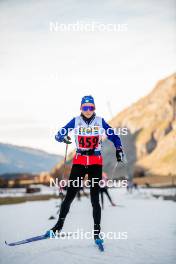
[20, 159]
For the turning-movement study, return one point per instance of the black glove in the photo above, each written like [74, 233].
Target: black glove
[67, 140]
[119, 155]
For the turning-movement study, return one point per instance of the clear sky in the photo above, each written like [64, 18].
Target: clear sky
[44, 74]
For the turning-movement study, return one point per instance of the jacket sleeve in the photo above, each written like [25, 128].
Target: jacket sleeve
[111, 135]
[65, 130]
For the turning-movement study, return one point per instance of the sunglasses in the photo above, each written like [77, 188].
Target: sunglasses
[87, 107]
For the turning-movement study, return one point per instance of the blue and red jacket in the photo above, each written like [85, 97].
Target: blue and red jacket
[88, 136]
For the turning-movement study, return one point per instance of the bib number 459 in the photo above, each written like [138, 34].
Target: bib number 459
[88, 142]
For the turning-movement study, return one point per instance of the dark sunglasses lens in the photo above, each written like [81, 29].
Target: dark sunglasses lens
[91, 108]
[86, 108]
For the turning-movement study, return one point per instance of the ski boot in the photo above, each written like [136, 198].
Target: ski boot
[97, 237]
[55, 230]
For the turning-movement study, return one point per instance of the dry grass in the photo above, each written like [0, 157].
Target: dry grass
[22, 199]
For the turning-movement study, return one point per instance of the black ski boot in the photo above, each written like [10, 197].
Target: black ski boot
[58, 226]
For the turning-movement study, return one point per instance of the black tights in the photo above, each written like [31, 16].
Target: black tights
[78, 172]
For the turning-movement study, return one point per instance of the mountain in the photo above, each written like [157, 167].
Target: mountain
[150, 145]
[152, 123]
[15, 159]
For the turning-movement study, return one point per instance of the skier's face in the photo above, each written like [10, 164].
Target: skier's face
[87, 112]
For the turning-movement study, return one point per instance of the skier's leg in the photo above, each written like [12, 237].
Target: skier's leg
[108, 195]
[77, 172]
[102, 198]
[79, 195]
[95, 175]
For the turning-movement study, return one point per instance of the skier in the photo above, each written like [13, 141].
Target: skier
[88, 158]
[104, 189]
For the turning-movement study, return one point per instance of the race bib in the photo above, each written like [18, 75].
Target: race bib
[88, 142]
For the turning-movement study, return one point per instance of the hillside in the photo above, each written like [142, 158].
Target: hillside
[152, 120]
[15, 159]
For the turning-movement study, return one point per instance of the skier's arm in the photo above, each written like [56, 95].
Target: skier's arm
[63, 132]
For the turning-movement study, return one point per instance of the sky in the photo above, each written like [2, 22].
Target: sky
[45, 73]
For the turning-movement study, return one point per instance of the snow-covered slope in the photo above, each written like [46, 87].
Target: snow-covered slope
[150, 224]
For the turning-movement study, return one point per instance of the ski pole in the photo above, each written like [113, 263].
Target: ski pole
[64, 170]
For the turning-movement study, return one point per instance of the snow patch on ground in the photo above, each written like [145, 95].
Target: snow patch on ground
[150, 224]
